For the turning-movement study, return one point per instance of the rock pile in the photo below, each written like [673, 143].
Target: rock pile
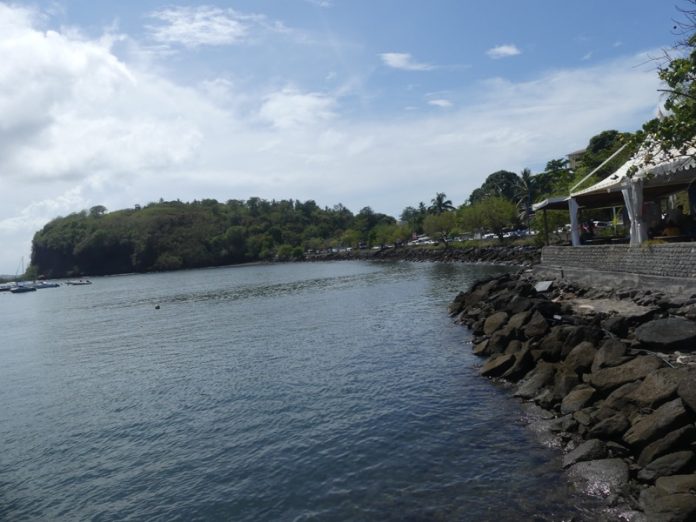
[604, 364]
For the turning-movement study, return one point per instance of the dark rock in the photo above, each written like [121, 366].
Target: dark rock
[518, 304]
[675, 484]
[481, 348]
[565, 423]
[669, 464]
[583, 417]
[658, 387]
[617, 450]
[666, 418]
[610, 428]
[497, 365]
[549, 350]
[617, 400]
[564, 381]
[578, 334]
[546, 308]
[679, 507]
[674, 440]
[546, 399]
[616, 324]
[498, 342]
[592, 449]
[494, 322]
[577, 399]
[580, 358]
[611, 353]
[537, 325]
[536, 379]
[672, 333]
[607, 379]
[601, 477]
[523, 364]
[518, 320]
[513, 346]
[687, 391]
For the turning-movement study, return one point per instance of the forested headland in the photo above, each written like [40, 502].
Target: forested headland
[172, 235]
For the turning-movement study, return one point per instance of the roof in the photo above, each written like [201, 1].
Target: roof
[552, 203]
[667, 173]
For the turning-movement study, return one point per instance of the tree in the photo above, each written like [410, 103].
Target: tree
[97, 211]
[440, 226]
[501, 183]
[526, 192]
[675, 129]
[497, 214]
[440, 204]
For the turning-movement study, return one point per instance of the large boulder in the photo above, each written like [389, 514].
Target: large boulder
[580, 358]
[658, 387]
[618, 399]
[518, 320]
[535, 380]
[497, 365]
[592, 449]
[669, 464]
[666, 418]
[494, 322]
[672, 333]
[577, 399]
[523, 364]
[673, 441]
[674, 484]
[610, 428]
[564, 381]
[601, 477]
[687, 391]
[611, 353]
[537, 325]
[679, 507]
[607, 379]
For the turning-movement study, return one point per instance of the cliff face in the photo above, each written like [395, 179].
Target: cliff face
[610, 370]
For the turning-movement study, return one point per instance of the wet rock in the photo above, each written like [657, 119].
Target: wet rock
[611, 353]
[607, 379]
[481, 348]
[497, 365]
[498, 341]
[577, 399]
[669, 464]
[674, 440]
[592, 449]
[494, 322]
[536, 379]
[564, 381]
[658, 387]
[580, 358]
[674, 484]
[672, 333]
[513, 346]
[611, 428]
[666, 418]
[537, 325]
[601, 477]
[565, 423]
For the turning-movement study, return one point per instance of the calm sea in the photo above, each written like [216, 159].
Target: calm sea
[324, 391]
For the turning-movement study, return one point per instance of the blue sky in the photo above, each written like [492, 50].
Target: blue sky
[379, 103]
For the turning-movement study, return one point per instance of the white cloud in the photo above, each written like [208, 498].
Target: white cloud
[320, 3]
[440, 102]
[586, 56]
[503, 51]
[404, 61]
[194, 26]
[81, 127]
[291, 108]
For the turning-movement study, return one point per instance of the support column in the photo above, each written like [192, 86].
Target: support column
[574, 225]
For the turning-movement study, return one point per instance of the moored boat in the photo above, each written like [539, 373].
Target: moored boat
[45, 284]
[21, 289]
[79, 282]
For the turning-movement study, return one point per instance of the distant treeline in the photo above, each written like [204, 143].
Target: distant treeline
[171, 235]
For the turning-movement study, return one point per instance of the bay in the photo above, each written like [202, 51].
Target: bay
[311, 391]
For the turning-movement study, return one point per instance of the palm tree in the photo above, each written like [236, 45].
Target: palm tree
[525, 192]
[440, 204]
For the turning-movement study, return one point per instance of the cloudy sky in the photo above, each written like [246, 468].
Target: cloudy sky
[362, 102]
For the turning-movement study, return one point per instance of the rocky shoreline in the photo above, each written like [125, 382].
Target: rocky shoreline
[612, 375]
[518, 255]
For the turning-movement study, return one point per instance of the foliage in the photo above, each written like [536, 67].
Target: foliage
[170, 235]
[440, 204]
[502, 183]
[440, 226]
[494, 214]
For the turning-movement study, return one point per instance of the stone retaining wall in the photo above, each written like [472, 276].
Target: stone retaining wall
[677, 260]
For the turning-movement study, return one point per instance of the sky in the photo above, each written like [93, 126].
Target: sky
[378, 103]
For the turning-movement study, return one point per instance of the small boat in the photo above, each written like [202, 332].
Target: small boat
[21, 289]
[6, 287]
[79, 282]
[45, 284]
